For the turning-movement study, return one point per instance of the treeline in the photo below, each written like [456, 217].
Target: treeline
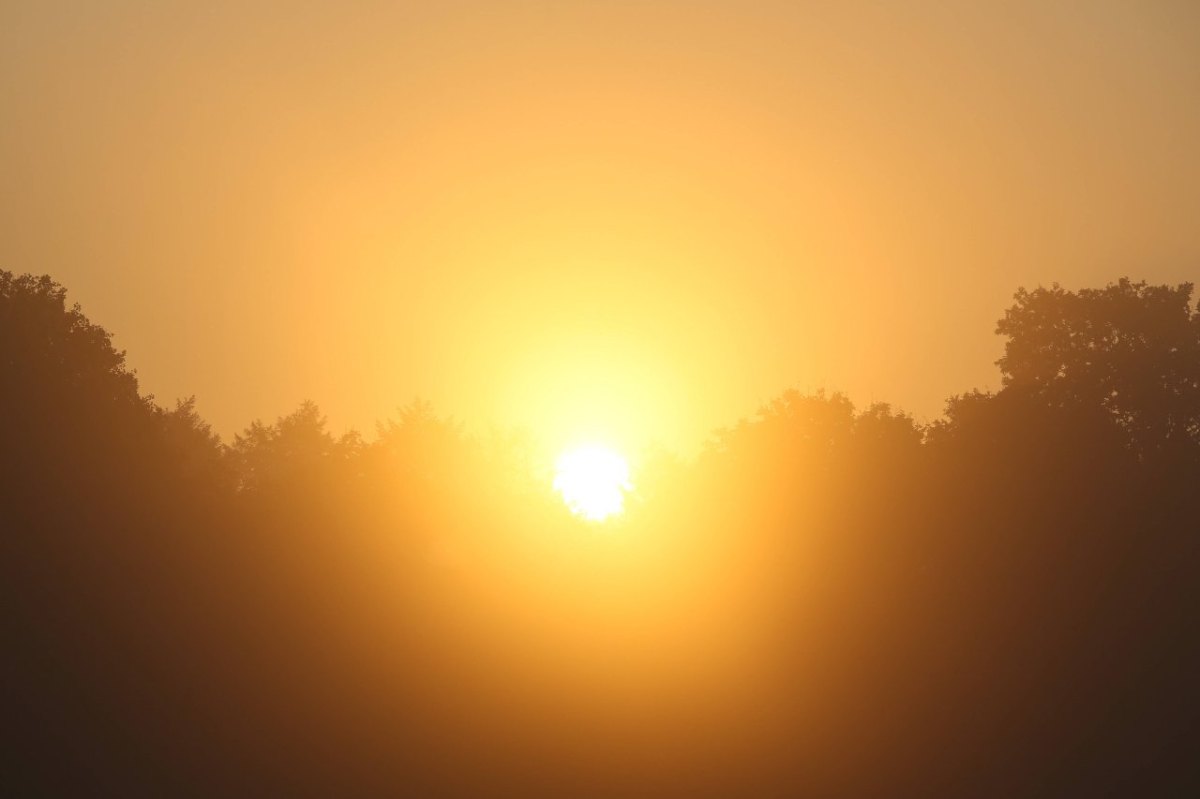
[828, 601]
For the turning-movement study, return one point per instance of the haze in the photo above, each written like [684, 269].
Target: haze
[596, 220]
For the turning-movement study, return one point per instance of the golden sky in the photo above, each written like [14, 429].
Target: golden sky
[628, 221]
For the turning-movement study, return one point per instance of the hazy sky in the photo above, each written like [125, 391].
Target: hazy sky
[619, 220]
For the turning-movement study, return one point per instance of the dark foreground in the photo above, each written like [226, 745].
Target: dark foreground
[829, 602]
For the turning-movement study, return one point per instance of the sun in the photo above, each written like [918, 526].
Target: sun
[593, 480]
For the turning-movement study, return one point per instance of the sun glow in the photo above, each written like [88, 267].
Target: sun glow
[592, 480]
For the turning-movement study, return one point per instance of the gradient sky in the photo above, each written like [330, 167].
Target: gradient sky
[614, 220]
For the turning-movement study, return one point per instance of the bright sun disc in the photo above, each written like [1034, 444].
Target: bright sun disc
[593, 481]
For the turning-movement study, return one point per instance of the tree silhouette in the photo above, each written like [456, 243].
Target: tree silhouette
[297, 447]
[69, 408]
[1129, 348]
[827, 601]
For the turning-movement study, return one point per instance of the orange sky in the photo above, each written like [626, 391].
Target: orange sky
[614, 220]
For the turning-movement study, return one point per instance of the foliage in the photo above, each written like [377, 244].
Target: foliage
[827, 601]
[1129, 348]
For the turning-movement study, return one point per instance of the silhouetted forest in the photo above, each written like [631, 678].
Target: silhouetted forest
[827, 601]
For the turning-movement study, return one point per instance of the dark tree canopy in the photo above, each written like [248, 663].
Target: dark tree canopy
[1129, 348]
[57, 367]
